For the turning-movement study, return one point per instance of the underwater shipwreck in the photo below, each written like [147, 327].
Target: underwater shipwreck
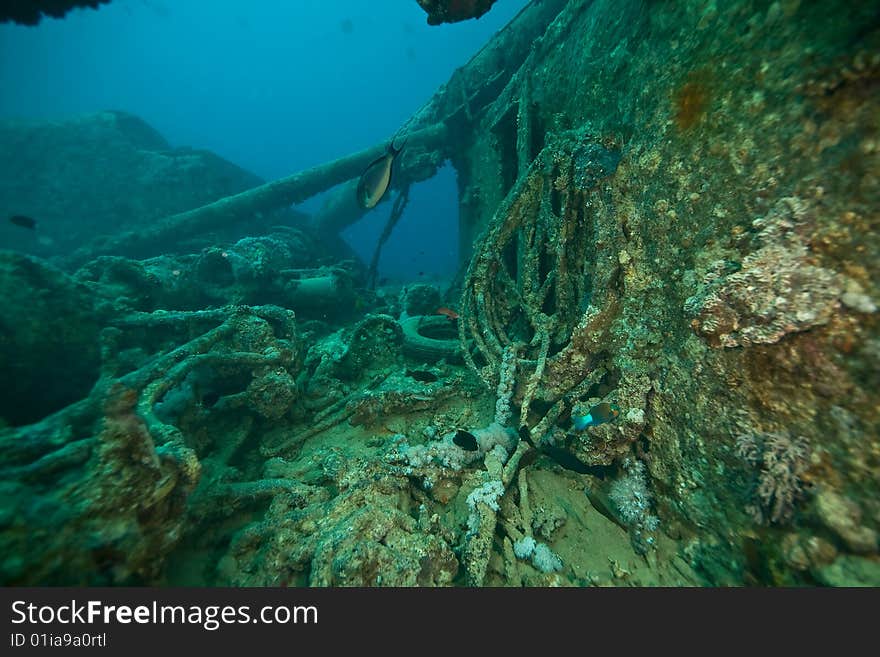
[659, 364]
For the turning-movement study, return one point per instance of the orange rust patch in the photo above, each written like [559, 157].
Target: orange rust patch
[120, 401]
[691, 100]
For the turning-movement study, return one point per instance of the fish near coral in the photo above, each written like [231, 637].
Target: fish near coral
[376, 178]
[466, 440]
[448, 312]
[599, 414]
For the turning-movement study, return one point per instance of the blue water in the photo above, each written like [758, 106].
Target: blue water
[272, 85]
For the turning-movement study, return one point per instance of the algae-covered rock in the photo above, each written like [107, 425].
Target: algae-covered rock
[99, 173]
[278, 269]
[849, 570]
[843, 517]
[363, 536]
[48, 339]
[421, 299]
[104, 509]
[724, 267]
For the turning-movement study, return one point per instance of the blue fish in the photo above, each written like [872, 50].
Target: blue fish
[599, 414]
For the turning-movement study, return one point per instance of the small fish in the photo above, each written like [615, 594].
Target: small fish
[599, 414]
[563, 457]
[465, 440]
[451, 314]
[24, 222]
[376, 178]
[422, 375]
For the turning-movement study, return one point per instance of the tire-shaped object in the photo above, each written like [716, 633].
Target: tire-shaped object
[422, 338]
